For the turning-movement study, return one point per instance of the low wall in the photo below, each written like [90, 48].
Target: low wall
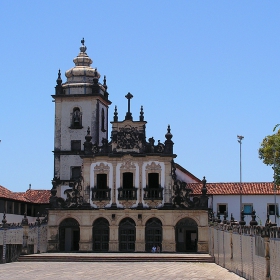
[22, 239]
[251, 252]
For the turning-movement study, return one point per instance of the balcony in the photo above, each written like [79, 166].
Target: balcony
[153, 193]
[127, 194]
[100, 194]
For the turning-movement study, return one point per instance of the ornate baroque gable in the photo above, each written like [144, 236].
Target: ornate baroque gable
[101, 167]
[128, 165]
[153, 167]
[128, 137]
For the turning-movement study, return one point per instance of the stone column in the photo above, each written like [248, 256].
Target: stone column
[140, 239]
[53, 239]
[24, 250]
[267, 256]
[202, 240]
[168, 239]
[85, 244]
[114, 239]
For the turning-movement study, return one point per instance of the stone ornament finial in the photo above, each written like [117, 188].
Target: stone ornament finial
[83, 48]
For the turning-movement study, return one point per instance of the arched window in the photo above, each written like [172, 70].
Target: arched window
[103, 120]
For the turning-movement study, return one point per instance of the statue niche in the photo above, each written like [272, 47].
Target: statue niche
[76, 118]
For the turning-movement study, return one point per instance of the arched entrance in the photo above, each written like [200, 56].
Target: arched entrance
[127, 234]
[100, 235]
[69, 235]
[153, 234]
[186, 235]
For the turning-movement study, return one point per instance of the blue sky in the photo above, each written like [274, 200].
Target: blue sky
[210, 69]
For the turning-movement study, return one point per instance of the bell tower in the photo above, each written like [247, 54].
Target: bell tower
[81, 102]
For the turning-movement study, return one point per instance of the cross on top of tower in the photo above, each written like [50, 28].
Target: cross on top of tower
[83, 48]
[128, 114]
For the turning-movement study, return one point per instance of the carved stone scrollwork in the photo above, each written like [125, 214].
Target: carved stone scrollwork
[101, 168]
[74, 198]
[128, 203]
[128, 138]
[153, 167]
[128, 165]
[182, 197]
[101, 204]
[153, 203]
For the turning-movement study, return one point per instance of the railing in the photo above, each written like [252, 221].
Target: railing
[153, 193]
[127, 194]
[100, 194]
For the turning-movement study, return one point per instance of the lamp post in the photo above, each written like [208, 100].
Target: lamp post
[240, 138]
[274, 183]
[38, 225]
[4, 221]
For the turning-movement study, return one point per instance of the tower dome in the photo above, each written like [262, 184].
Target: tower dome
[82, 74]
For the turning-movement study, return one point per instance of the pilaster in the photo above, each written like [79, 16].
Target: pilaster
[168, 239]
[140, 239]
[114, 239]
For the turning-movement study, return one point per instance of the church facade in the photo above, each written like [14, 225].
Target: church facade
[117, 194]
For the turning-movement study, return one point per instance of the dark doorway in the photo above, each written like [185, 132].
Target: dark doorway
[100, 235]
[127, 235]
[69, 235]
[186, 235]
[153, 234]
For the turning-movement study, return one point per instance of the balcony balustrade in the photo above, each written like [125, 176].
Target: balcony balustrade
[127, 194]
[100, 194]
[153, 193]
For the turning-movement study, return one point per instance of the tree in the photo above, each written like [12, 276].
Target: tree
[269, 153]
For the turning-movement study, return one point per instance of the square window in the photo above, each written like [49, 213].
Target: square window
[75, 145]
[247, 208]
[271, 209]
[222, 208]
[75, 172]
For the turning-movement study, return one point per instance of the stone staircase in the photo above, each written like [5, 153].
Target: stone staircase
[116, 257]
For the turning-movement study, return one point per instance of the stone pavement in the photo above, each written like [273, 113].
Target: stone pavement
[115, 270]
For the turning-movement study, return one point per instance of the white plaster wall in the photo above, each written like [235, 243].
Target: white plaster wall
[274, 258]
[105, 133]
[15, 219]
[88, 110]
[259, 205]
[66, 161]
[184, 177]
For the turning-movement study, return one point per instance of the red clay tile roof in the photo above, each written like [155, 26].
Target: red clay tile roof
[31, 196]
[234, 188]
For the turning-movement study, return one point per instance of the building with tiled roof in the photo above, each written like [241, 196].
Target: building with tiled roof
[258, 196]
[15, 204]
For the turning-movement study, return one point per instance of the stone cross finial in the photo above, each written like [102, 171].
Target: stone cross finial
[128, 114]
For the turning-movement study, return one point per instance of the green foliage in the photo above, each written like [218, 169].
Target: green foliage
[269, 153]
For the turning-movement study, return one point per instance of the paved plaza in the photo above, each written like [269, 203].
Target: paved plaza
[115, 270]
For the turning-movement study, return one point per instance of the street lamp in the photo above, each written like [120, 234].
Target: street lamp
[240, 138]
[4, 226]
[274, 183]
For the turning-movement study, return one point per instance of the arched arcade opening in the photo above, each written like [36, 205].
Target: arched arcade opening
[100, 235]
[153, 234]
[186, 235]
[69, 235]
[127, 235]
